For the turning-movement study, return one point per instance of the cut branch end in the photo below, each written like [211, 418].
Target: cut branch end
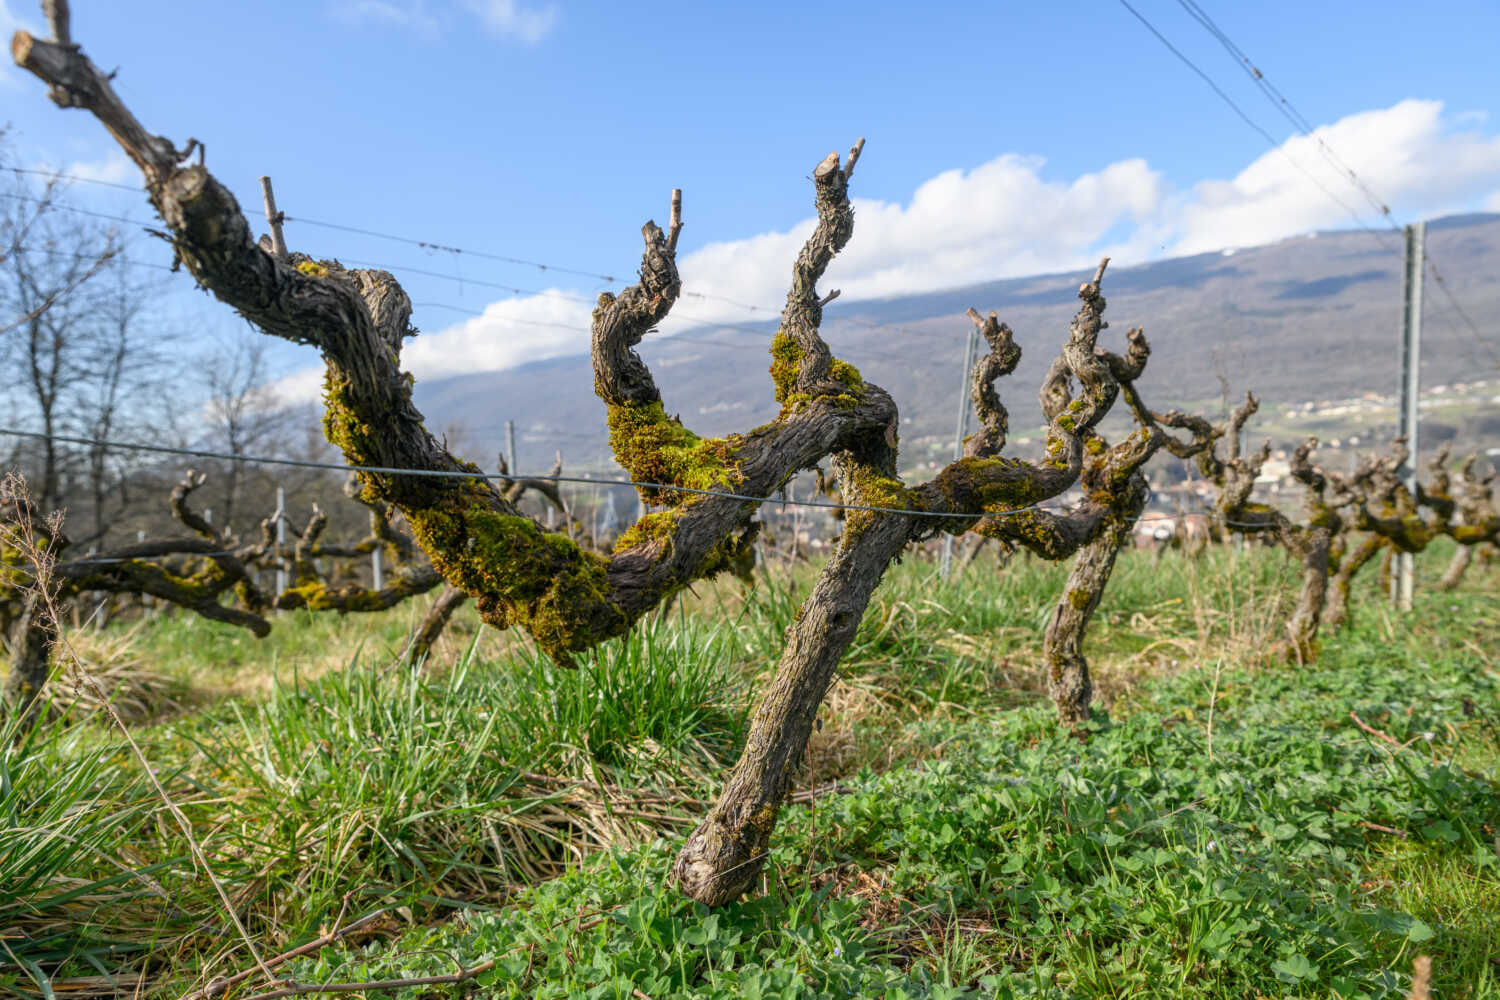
[854, 152]
[674, 224]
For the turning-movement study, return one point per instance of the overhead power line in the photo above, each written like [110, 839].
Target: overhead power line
[300, 463]
[1306, 128]
[1251, 122]
[1297, 119]
[486, 255]
[1283, 104]
[550, 477]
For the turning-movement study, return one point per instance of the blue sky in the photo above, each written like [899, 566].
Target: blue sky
[1003, 138]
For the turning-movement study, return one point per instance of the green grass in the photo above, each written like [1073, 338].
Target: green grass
[1160, 857]
[1225, 832]
[70, 892]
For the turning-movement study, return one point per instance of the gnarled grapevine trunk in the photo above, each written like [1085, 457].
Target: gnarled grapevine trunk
[434, 621]
[723, 856]
[33, 636]
[709, 490]
[1302, 627]
[1311, 543]
[1068, 681]
[1453, 575]
[1337, 612]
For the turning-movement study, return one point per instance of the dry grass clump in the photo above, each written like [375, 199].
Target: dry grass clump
[854, 714]
[112, 664]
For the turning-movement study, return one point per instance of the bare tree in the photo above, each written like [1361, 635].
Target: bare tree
[570, 599]
[243, 414]
[125, 363]
[84, 352]
[45, 264]
[23, 229]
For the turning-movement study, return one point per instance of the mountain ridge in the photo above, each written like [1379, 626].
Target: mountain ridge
[1307, 318]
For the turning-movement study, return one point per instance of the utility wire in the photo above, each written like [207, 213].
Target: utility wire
[487, 255]
[1279, 100]
[1252, 123]
[504, 477]
[57, 175]
[1145, 518]
[1281, 103]
[1300, 122]
[549, 477]
[553, 293]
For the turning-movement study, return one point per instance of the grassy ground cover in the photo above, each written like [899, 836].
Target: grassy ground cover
[1228, 830]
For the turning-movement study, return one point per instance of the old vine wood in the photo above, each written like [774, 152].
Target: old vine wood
[569, 598]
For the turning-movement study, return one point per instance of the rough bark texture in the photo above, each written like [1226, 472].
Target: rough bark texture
[1310, 543]
[33, 635]
[433, 623]
[723, 857]
[570, 599]
[29, 546]
[1068, 681]
[1117, 492]
[1453, 575]
[1337, 611]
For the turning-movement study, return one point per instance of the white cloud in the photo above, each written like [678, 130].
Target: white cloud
[114, 168]
[298, 387]
[413, 16]
[1001, 219]
[509, 19]
[509, 333]
[1421, 162]
[1008, 218]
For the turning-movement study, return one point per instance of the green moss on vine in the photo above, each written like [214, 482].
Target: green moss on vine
[729, 555]
[313, 269]
[786, 362]
[519, 574]
[655, 527]
[656, 448]
[312, 595]
[1324, 516]
[15, 568]
[1027, 527]
[997, 483]
[872, 490]
[525, 576]
[1079, 599]
[845, 373]
[315, 595]
[341, 425]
